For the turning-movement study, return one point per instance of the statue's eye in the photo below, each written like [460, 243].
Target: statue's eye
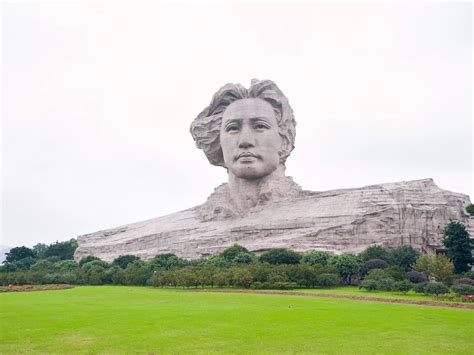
[261, 125]
[232, 128]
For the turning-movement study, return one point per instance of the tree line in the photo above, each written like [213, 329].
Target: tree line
[376, 268]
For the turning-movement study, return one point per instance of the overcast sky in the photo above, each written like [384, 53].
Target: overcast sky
[98, 99]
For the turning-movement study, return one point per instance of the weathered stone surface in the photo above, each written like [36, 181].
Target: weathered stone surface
[251, 132]
[348, 220]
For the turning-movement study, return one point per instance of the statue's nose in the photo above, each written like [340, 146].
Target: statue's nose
[246, 138]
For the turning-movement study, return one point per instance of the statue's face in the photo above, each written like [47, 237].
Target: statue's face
[249, 139]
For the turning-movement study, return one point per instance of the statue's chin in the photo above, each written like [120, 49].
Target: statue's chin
[251, 172]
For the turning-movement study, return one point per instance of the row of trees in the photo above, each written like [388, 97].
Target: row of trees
[237, 267]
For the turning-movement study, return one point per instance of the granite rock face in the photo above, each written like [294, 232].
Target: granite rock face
[347, 220]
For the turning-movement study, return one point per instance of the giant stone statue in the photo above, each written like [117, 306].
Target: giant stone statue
[251, 133]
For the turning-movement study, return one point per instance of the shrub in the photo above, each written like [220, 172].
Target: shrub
[420, 287]
[369, 285]
[387, 284]
[464, 281]
[469, 274]
[327, 280]
[470, 209]
[373, 264]
[87, 259]
[315, 258]
[280, 256]
[273, 285]
[123, 260]
[377, 274]
[463, 289]
[416, 277]
[375, 252]
[404, 256]
[396, 272]
[402, 286]
[436, 288]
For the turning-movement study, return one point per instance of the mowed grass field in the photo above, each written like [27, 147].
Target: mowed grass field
[120, 319]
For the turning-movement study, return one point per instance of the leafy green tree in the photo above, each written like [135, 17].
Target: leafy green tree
[470, 209]
[63, 250]
[404, 256]
[123, 260]
[280, 256]
[424, 264]
[40, 249]
[315, 258]
[166, 261]
[437, 266]
[88, 259]
[375, 252]
[460, 245]
[442, 270]
[347, 265]
[373, 264]
[136, 273]
[18, 253]
[230, 253]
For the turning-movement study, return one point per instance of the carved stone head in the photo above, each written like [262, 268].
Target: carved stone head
[206, 128]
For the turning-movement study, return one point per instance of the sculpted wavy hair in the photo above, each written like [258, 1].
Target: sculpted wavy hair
[205, 128]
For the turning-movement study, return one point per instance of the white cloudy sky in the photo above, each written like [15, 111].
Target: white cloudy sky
[98, 99]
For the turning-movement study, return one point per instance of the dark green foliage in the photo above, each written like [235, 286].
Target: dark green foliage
[435, 288]
[123, 260]
[280, 256]
[369, 285]
[316, 258]
[459, 244]
[416, 276]
[18, 253]
[167, 261]
[462, 289]
[373, 264]
[63, 250]
[87, 259]
[387, 284]
[404, 256]
[375, 252]
[377, 274]
[327, 280]
[237, 254]
[469, 274]
[40, 249]
[396, 273]
[420, 287]
[347, 265]
[470, 209]
[136, 273]
[274, 285]
[464, 281]
[402, 286]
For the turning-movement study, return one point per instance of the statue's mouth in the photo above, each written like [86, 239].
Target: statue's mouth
[246, 155]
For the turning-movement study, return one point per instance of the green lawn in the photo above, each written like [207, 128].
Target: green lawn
[116, 319]
[355, 291]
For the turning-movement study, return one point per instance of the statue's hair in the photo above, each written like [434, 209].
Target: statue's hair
[205, 128]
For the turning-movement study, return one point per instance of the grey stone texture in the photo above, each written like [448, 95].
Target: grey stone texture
[251, 133]
[347, 220]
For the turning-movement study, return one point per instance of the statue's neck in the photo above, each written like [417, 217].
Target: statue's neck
[246, 193]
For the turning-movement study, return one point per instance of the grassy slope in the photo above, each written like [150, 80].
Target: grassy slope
[116, 319]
